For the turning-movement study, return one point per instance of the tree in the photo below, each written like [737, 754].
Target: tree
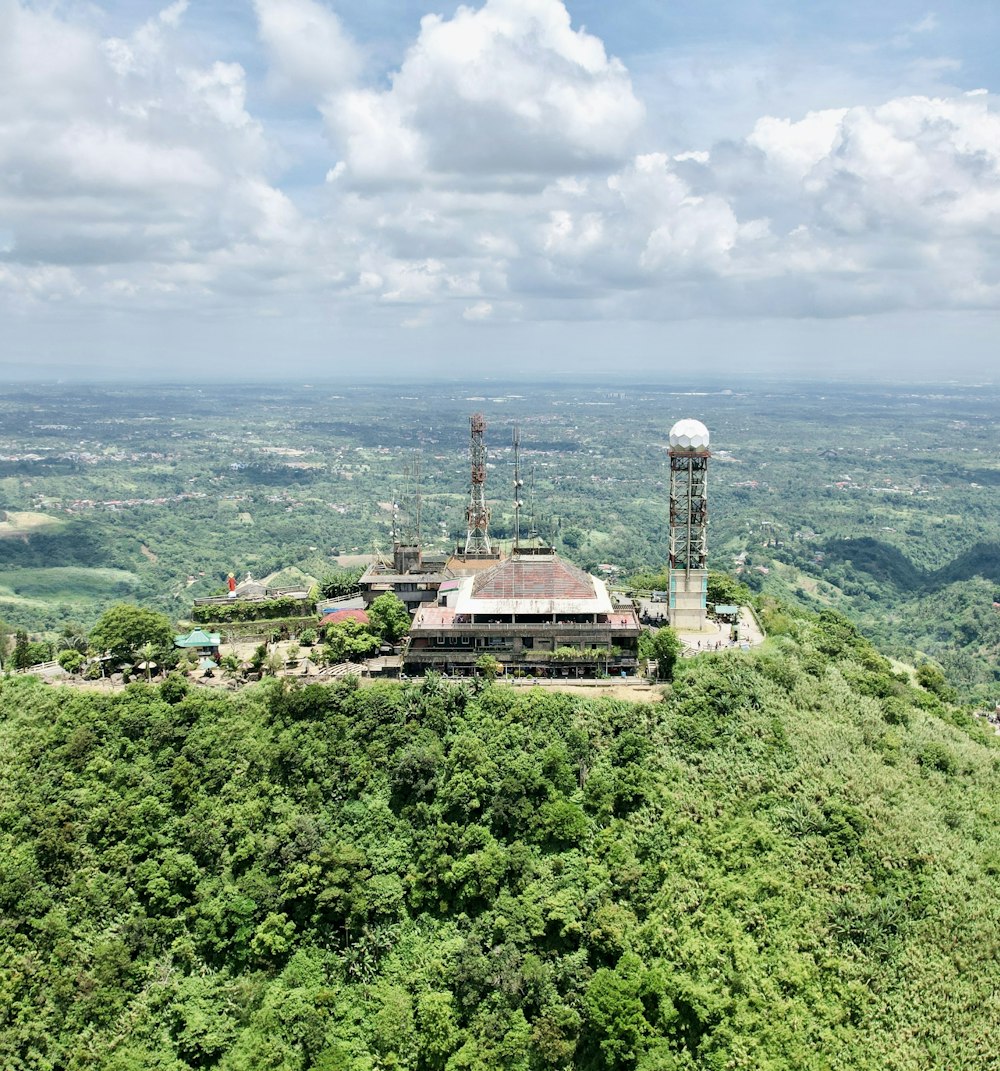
[389, 617]
[339, 582]
[174, 688]
[147, 651]
[21, 658]
[38, 651]
[230, 665]
[616, 1014]
[350, 640]
[666, 648]
[930, 677]
[487, 666]
[73, 637]
[70, 660]
[723, 588]
[649, 581]
[5, 633]
[123, 629]
[273, 664]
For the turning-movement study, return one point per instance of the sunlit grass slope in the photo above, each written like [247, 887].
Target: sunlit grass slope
[20, 524]
[791, 862]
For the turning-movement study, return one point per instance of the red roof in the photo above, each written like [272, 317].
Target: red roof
[546, 577]
[337, 616]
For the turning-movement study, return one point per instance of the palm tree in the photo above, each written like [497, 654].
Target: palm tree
[230, 666]
[147, 650]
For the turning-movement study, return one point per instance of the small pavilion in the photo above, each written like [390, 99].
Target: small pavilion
[204, 644]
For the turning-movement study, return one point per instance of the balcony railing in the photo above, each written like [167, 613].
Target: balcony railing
[524, 658]
[523, 627]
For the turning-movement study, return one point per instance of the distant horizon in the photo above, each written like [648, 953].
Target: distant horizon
[716, 383]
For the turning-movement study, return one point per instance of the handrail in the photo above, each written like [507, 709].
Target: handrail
[521, 625]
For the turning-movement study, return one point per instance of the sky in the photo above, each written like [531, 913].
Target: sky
[308, 190]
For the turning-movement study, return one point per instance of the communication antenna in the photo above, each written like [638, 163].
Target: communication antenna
[416, 496]
[532, 529]
[477, 514]
[406, 506]
[394, 514]
[518, 484]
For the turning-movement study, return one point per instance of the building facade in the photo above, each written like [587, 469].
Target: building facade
[536, 613]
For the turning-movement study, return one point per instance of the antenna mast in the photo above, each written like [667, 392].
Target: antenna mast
[477, 514]
[416, 492]
[518, 484]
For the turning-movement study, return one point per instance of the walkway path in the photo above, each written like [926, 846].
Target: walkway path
[715, 632]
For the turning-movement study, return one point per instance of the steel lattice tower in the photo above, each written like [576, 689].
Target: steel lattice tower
[689, 456]
[477, 513]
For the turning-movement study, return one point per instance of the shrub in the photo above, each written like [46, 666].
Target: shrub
[935, 756]
[264, 610]
[70, 660]
[174, 688]
[895, 711]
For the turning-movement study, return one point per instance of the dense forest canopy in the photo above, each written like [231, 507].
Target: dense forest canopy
[789, 862]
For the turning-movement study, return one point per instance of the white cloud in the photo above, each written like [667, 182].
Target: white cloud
[124, 162]
[309, 51]
[507, 89]
[378, 143]
[798, 147]
[850, 210]
[495, 179]
[221, 92]
[476, 313]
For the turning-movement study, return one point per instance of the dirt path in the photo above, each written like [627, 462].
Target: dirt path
[633, 693]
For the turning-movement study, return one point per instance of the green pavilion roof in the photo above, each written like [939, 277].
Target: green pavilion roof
[198, 637]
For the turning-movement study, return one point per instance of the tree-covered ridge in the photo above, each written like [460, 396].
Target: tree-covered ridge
[790, 862]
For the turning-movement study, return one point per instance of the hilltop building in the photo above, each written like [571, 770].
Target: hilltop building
[414, 577]
[535, 613]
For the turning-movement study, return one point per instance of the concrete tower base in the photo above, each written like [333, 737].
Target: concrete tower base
[686, 600]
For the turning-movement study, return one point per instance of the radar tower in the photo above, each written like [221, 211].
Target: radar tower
[689, 454]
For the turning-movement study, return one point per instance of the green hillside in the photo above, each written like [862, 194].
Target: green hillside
[947, 613]
[791, 862]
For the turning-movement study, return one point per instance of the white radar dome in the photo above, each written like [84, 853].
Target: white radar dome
[689, 435]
